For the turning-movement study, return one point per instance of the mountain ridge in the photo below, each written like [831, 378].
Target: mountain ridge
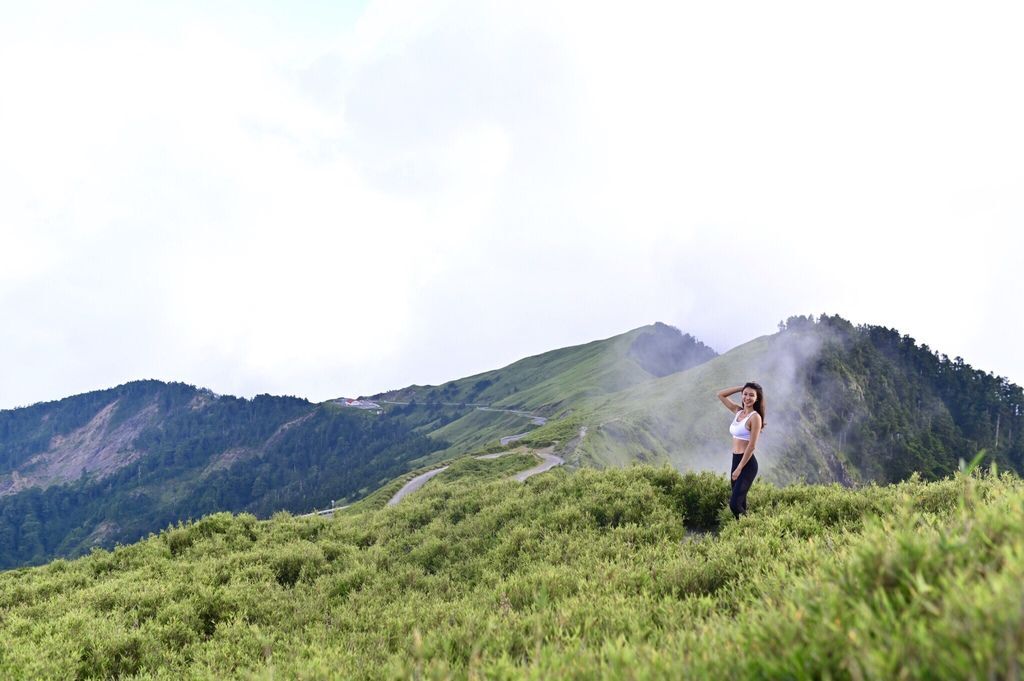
[845, 404]
[849, 404]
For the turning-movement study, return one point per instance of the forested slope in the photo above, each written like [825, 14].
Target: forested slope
[112, 465]
[188, 453]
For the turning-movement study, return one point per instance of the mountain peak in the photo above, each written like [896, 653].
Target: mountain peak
[661, 350]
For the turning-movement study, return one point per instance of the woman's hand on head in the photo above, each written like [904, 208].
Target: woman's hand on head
[723, 397]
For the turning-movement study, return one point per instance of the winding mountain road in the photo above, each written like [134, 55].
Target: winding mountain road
[534, 419]
[414, 484]
[548, 459]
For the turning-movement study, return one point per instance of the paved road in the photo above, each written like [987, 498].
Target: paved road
[534, 419]
[484, 457]
[414, 485]
[512, 438]
[326, 511]
[550, 461]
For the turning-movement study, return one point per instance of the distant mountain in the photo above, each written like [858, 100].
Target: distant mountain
[845, 404]
[113, 465]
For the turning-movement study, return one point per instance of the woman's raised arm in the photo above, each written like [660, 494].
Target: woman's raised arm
[723, 395]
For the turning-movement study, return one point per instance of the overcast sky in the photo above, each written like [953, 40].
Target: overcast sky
[344, 198]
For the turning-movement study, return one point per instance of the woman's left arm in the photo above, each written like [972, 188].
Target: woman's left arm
[755, 431]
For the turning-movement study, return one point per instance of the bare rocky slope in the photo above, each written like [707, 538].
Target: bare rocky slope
[113, 465]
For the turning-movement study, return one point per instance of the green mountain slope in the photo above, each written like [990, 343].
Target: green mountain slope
[113, 465]
[597, 574]
[553, 383]
[847, 404]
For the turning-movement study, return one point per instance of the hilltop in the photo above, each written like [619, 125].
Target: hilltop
[114, 465]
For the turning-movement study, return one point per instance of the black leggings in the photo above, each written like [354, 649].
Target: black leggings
[740, 486]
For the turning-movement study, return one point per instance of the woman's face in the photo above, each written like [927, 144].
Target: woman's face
[749, 397]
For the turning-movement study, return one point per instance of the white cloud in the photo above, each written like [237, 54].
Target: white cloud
[251, 204]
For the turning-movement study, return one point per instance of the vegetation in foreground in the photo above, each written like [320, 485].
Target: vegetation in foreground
[636, 573]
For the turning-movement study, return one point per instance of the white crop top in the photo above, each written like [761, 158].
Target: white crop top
[738, 429]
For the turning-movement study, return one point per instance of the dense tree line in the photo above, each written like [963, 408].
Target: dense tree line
[200, 456]
[29, 430]
[897, 407]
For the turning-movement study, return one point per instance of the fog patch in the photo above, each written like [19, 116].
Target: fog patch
[666, 350]
[678, 417]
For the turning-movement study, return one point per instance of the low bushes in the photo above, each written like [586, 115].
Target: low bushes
[633, 573]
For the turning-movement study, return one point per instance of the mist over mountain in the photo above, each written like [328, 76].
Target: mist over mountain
[551, 384]
[849, 404]
[664, 350]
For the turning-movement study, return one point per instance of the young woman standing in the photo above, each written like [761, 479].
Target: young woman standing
[747, 423]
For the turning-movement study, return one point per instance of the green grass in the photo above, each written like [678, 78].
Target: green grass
[477, 430]
[514, 459]
[544, 380]
[677, 419]
[551, 384]
[636, 573]
[557, 432]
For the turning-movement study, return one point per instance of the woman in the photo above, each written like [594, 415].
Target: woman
[745, 428]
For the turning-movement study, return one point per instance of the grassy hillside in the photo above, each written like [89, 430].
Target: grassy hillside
[846, 404]
[555, 382]
[632, 573]
[112, 465]
[678, 419]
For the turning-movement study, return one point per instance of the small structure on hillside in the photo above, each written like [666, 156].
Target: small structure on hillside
[359, 404]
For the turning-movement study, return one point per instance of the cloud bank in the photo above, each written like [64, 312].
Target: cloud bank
[325, 204]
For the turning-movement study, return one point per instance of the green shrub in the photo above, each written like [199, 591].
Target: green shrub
[297, 560]
[594, 574]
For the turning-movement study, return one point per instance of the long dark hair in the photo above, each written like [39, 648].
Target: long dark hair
[759, 403]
